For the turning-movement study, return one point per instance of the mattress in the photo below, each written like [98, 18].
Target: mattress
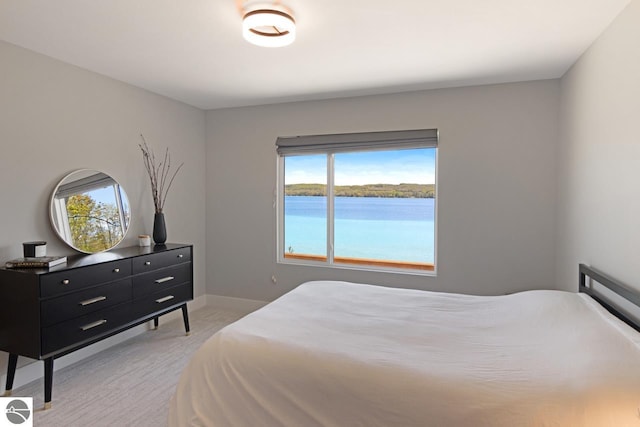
[345, 354]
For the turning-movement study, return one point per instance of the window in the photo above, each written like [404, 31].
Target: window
[364, 200]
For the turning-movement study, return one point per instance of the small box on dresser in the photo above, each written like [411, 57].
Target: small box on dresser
[47, 313]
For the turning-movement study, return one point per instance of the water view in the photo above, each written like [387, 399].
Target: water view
[383, 228]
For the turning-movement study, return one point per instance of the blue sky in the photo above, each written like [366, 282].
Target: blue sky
[371, 167]
[106, 195]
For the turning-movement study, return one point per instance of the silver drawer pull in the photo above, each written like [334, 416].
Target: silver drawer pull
[165, 279]
[65, 282]
[180, 256]
[116, 270]
[93, 300]
[165, 299]
[93, 325]
[147, 263]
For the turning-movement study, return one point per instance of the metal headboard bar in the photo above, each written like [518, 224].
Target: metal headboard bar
[610, 283]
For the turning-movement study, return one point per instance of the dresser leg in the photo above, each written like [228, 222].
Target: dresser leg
[155, 323]
[48, 381]
[185, 317]
[11, 373]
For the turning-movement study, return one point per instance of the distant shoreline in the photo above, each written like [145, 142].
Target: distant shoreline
[405, 191]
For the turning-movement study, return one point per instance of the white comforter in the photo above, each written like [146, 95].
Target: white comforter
[343, 354]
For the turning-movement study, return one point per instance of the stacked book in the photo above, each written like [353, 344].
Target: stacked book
[36, 262]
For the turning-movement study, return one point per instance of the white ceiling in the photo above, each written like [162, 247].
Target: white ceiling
[193, 50]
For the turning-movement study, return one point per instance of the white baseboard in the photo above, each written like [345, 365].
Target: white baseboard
[31, 371]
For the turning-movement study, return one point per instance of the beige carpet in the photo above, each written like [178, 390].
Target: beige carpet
[129, 384]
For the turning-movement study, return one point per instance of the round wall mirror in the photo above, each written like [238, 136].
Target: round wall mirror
[90, 211]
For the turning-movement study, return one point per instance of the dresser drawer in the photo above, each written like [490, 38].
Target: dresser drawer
[76, 331]
[86, 301]
[164, 299]
[75, 279]
[145, 263]
[158, 280]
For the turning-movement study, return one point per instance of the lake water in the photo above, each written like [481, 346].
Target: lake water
[365, 227]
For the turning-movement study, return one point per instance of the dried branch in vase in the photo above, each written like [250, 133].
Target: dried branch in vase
[159, 173]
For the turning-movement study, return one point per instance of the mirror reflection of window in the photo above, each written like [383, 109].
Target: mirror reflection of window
[90, 211]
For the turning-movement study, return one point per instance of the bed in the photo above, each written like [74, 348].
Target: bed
[346, 354]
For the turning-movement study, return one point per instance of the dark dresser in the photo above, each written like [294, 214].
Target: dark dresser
[47, 313]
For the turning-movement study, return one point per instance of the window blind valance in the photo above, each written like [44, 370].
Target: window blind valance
[396, 139]
[84, 185]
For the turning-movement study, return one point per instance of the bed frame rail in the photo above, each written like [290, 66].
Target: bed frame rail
[613, 285]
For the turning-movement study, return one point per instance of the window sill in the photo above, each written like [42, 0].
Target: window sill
[402, 266]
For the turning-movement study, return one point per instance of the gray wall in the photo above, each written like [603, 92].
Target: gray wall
[599, 157]
[496, 194]
[55, 118]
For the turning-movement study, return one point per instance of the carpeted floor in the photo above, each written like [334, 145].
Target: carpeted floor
[129, 384]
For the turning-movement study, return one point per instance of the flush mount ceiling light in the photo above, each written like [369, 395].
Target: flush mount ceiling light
[268, 26]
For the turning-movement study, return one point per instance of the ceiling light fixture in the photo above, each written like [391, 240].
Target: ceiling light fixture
[268, 26]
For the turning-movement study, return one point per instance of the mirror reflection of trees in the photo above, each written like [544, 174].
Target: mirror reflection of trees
[95, 226]
[90, 211]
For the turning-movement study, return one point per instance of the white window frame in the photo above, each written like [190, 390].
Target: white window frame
[329, 263]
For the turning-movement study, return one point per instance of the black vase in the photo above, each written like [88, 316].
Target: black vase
[159, 229]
